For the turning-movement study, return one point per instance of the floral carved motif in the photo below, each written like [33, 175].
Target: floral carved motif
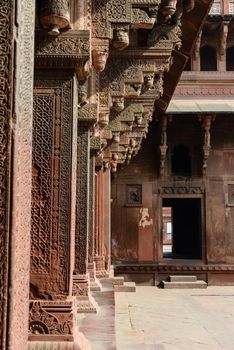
[43, 321]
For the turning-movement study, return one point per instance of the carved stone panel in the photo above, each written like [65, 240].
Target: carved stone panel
[51, 187]
[134, 195]
[55, 320]
[82, 204]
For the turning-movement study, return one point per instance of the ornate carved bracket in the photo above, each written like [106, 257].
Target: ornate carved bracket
[163, 123]
[87, 114]
[206, 121]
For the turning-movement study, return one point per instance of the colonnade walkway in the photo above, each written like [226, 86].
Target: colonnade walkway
[157, 319]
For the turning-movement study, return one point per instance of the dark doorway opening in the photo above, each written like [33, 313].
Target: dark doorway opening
[182, 228]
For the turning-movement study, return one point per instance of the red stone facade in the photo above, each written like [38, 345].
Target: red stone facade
[185, 164]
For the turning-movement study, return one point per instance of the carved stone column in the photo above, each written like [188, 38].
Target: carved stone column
[223, 46]
[81, 279]
[206, 121]
[52, 315]
[100, 256]
[107, 217]
[16, 84]
[94, 283]
[196, 58]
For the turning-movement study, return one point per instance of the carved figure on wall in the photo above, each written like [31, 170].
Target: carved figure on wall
[134, 194]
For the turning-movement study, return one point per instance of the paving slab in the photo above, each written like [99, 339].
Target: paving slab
[157, 319]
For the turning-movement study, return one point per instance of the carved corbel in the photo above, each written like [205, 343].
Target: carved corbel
[116, 137]
[206, 121]
[87, 114]
[118, 103]
[163, 123]
[149, 80]
[103, 119]
[54, 15]
[114, 162]
[95, 145]
[168, 8]
[120, 37]
[100, 54]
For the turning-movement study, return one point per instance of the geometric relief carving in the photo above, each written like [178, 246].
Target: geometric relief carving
[231, 194]
[41, 182]
[52, 144]
[134, 195]
[82, 204]
[181, 190]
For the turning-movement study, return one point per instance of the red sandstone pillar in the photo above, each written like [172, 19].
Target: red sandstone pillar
[53, 309]
[107, 217]
[81, 280]
[94, 283]
[100, 256]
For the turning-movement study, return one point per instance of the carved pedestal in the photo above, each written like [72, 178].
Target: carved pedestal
[81, 289]
[53, 325]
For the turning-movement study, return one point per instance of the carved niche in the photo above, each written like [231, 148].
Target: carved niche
[51, 186]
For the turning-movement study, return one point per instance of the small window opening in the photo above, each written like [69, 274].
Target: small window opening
[208, 58]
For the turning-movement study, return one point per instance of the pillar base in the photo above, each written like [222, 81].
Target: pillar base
[81, 290]
[53, 326]
[100, 267]
[95, 284]
[81, 344]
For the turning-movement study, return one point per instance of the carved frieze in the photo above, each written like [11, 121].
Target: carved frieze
[70, 49]
[87, 114]
[181, 190]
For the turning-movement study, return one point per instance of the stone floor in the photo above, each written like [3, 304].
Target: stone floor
[157, 319]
